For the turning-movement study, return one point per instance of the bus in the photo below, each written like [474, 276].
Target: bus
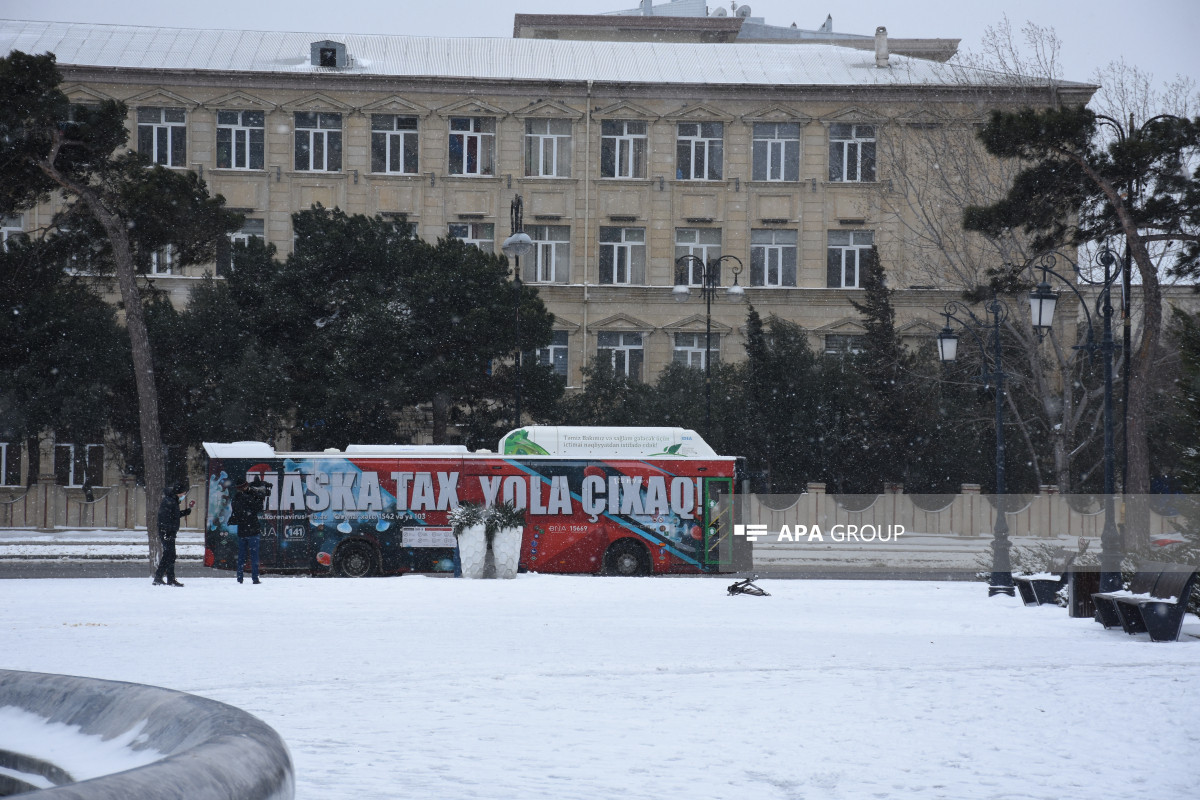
[616, 501]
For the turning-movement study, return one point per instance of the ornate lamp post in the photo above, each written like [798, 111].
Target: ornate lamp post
[1041, 304]
[1001, 581]
[710, 283]
[516, 245]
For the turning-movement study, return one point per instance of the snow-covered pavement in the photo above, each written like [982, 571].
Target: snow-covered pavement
[583, 687]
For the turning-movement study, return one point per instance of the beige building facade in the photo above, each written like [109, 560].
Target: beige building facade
[627, 155]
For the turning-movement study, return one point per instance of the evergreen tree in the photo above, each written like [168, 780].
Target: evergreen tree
[47, 145]
[62, 353]
[360, 325]
[1079, 188]
[783, 434]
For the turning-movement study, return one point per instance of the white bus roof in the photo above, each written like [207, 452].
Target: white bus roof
[532, 440]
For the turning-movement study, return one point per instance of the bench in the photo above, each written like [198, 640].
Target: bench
[1041, 588]
[1155, 602]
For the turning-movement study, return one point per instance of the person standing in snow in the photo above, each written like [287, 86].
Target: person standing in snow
[246, 503]
[169, 515]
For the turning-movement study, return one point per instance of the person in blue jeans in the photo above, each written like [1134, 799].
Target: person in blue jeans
[247, 501]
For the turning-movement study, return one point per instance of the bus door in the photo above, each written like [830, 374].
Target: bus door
[718, 524]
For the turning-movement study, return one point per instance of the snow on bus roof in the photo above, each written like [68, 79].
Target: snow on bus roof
[406, 449]
[239, 450]
[605, 442]
[532, 440]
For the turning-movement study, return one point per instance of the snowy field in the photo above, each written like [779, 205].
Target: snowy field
[583, 687]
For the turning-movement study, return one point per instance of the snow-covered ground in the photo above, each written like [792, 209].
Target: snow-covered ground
[584, 687]
[65, 544]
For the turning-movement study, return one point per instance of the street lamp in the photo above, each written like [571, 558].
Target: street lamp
[710, 282]
[1001, 581]
[1041, 303]
[517, 245]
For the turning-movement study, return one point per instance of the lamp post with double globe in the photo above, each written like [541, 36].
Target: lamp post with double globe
[691, 270]
[516, 245]
[1001, 581]
[1042, 303]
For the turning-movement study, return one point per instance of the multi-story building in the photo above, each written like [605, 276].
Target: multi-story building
[731, 138]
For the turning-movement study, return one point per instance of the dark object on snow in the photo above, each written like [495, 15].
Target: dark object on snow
[747, 587]
[1155, 603]
[1042, 591]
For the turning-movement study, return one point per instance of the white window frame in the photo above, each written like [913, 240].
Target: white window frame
[247, 141]
[841, 344]
[621, 347]
[82, 465]
[699, 151]
[548, 148]
[629, 143]
[322, 138]
[689, 348]
[479, 132]
[398, 136]
[554, 355]
[776, 152]
[551, 260]
[164, 130]
[480, 234]
[10, 452]
[852, 153]
[252, 228]
[10, 225]
[692, 241]
[622, 256]
[844, 251]
[773, 255]
[162, 260]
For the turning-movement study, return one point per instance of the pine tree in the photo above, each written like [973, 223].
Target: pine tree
[47, 145]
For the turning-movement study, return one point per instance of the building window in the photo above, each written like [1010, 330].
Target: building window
[623, 255]
[10, 225]
[472, 146]
[162, 260]
[162, 135]
[623, 351]
[555, 356]
[394, 144]
[480, 234]
[772, 258]
[840, 344]
[251, 229]
[79, 464]
[240, 139]
[689, 349]
[705, 244]
[622, 148]
[318, 141]
[851, 153]
[698, 151]
[10, 464]
[548, 148]
[776, 151]
[848, 251]
[551, 262]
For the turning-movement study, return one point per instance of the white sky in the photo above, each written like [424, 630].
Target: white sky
[1155, 35]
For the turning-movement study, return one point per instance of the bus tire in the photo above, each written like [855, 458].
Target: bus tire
[626, 558]
[355, 560]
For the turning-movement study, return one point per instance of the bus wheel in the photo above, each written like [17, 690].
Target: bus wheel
[627, 558]
[355, 560]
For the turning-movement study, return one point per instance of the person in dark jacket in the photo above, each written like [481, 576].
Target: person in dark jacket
[246, 503]
[169, 515]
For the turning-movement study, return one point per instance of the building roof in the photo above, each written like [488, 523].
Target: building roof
[135, 47]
